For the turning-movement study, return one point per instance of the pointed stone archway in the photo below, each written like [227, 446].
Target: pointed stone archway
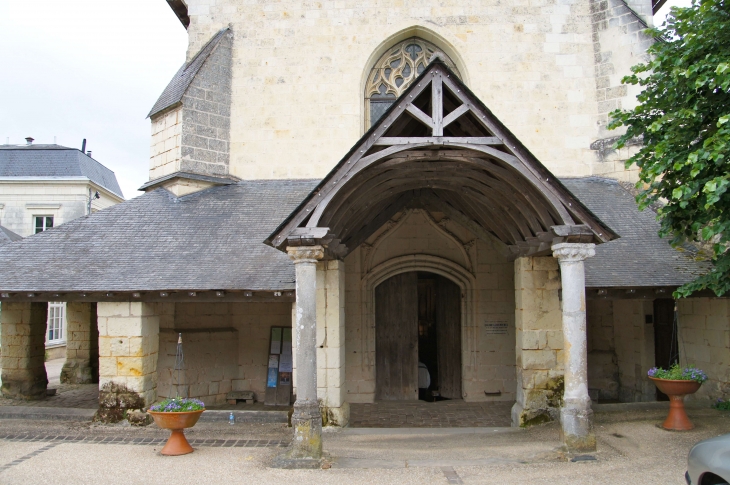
[440, 146]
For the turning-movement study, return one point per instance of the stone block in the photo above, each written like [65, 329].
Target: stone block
[538, 359]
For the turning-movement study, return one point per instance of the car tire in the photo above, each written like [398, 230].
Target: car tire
[711, 479]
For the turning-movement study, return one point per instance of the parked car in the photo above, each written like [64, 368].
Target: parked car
[708, 462]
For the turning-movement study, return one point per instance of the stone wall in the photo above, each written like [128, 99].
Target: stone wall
[416, 240]
[331, 340]
[23, 337]
[226, 346]
[195, 136]
[129, 344]
[603, 380]
[704, 341]
[634, 340]
[618, 44]
[539, 341]
[299, 72]
[165, 153]
[82, 344]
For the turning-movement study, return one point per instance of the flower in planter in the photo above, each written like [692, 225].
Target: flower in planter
[677, 373]
[178, 405]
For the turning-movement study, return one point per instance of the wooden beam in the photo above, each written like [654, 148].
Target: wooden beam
[437, 105]
[451, 117]
[438, 140]
[419, 115]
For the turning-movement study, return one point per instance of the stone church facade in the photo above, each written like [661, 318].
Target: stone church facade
[404, 185]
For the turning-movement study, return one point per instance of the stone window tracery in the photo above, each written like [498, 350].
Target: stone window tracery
[395, 71]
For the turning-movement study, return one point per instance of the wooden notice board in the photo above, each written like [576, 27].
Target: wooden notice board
[279, 372]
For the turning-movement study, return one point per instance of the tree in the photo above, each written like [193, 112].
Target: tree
[684, 120]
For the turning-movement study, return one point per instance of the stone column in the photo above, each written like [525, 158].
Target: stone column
[23, 350]
[576, 414]
[128, 348]
[82, 344]
[331, 342]
[306, 448]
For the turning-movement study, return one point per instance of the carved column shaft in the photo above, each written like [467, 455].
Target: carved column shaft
[576, 414]
[306, 420]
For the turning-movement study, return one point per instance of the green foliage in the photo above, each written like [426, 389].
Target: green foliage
[684, 120]
[677, 373]
[178, 405]
[722, 405]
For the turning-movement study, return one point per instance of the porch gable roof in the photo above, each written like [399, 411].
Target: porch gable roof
[438, 144]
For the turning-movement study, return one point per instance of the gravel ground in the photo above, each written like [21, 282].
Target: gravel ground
[631, 449]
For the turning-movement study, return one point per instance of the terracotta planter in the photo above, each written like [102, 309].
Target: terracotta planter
[677, 419]
[176, 423]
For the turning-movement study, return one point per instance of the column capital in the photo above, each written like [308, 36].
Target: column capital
[305, 254]
[573, 252]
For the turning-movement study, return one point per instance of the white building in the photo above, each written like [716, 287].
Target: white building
[44, 186]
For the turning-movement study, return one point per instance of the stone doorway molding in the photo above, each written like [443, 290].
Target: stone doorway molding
[431, 264]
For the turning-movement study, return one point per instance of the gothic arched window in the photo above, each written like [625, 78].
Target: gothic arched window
[395, 71]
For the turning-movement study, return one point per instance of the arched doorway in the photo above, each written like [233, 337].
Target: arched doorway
[417, 337]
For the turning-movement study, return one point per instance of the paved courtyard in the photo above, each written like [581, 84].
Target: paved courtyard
[79, 396]
[631, 450]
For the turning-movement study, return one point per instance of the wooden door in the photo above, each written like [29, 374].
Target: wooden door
[448, 331]
[396, 338]
[666, 350]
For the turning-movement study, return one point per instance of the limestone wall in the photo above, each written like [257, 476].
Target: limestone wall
[539, 340]
[129, 343]
[634, 349]
[299, 72]
[704, 341]
[225, 344]
[603, 380]
[165, 154]
[415, 240]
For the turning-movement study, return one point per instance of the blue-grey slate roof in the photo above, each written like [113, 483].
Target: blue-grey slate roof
[6, 235]
[211, 239]
[55, 161]
[639, 258]
[175, 90]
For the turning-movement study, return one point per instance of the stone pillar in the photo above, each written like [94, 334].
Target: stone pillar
[23, 350]
[331, 342]
[538, 341]
[82, 344]
[306, 448]
[576, 414]
[128, 348]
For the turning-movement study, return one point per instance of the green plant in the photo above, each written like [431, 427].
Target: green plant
[677, 373]
[722, 405]
[683, 121]
[178, 405]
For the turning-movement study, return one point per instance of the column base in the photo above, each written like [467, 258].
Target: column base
[340, 416]
[75, 373]
[27, 385]
[576, 429]
[305, 450]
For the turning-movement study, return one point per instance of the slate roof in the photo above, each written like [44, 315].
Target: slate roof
[639, 258]
[55, 161]
[175, 90]
[6, 235]
[211, 239]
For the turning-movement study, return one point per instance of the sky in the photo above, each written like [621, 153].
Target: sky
[75, 69]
